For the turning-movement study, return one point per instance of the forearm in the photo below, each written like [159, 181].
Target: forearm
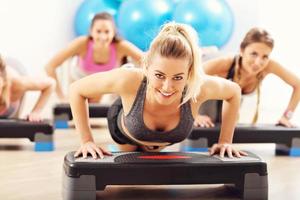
[230, 113]
[294, 100]
[79, 108]
[52, 73]
[44, 96]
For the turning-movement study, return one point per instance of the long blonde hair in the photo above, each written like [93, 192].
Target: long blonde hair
[4, 95]
[180, 41]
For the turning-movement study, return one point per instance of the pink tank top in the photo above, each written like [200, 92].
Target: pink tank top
[88, 65]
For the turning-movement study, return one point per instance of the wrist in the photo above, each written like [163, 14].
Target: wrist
[288, 114]
[224, 141]
[36, 111]
[87, 139]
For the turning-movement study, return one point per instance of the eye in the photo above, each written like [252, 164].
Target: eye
[265, 57]
[253, 54]
[107, 31]
[178, 78]
[159, 76]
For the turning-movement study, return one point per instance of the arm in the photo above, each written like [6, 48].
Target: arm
[45, 85]
[230, 92]
[132, 51]
[215, 67]
[218, 66]
[74, 48]
[292, 80]
[89, 88]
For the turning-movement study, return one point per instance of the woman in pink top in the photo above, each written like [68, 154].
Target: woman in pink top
[101, 51]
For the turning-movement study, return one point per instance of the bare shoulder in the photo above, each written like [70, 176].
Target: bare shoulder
[218, 66]
[123, 44]
[129, 78]
[213, 86]
[79, 42]
[207, 85]
[126, 46]
[81, 39]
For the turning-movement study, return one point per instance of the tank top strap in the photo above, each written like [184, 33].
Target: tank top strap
[230, 74]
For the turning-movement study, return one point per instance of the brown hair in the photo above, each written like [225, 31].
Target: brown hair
[177, 40]
[4, 96]
[109, 17]
[259, 35]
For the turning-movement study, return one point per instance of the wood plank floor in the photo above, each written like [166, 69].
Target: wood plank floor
[28, 175]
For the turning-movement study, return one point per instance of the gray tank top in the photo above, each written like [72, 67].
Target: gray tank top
[135, 124]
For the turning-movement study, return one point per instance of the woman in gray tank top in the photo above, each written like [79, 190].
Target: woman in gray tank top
[159, 101]
[248, 69]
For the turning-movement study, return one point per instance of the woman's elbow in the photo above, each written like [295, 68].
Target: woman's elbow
[236, 91]
[296, 86]
[51, 82]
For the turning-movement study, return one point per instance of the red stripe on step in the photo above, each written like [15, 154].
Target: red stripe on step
[164, 157]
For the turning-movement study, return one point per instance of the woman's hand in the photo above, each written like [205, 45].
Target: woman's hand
[222, 148]
[285, 122]
[203, 121]
[34, 117]
[93, 149]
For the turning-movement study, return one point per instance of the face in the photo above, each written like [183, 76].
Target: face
[255, 57]
[167, 78]
[102, 32]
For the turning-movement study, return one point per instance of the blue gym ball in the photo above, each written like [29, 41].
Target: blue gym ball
[87, 11]
[212, 19]
[139, 21]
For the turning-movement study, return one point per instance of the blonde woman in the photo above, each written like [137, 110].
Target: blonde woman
[157, 103]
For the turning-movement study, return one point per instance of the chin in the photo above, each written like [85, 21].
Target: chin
[164, 101]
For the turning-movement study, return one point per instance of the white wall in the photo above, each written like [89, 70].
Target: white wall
[34, 30]
[280, 18]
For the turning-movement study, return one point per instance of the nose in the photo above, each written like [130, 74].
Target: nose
[102, 36]
[167, 85]
[259, 61]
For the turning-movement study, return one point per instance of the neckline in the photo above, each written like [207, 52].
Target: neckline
[143, 109]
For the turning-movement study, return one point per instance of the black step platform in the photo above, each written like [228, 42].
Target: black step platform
[83, 177]
[62, 113]
[286, 139]
[39, 132]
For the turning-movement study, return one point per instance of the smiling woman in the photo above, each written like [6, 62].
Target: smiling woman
[101, 50]
[157, 103]
[248, 70]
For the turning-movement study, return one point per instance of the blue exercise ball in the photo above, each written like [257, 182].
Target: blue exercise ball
[139, 20]
[87, 11]
[212, 19]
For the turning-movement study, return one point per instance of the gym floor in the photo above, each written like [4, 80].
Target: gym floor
[28, 175]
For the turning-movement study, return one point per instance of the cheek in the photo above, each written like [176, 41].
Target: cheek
[111, 35]
[153, 82]
[181, 87]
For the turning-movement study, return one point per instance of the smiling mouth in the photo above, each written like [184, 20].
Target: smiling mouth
[166, 94]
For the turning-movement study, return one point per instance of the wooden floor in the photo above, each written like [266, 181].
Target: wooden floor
[28, 175]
